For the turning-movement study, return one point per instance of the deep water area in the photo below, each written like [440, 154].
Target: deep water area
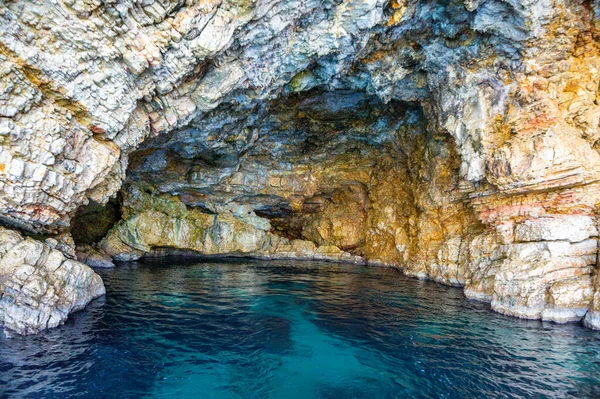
[255, 329]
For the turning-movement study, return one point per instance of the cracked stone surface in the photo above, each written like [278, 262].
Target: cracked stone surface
[39, 286]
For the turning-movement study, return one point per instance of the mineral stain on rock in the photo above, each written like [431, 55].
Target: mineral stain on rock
[454, 140]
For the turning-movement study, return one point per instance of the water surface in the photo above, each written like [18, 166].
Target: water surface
[251, 329]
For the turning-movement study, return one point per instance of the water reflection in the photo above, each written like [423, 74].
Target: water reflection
[295, 329]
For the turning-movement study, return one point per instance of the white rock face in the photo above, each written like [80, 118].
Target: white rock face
[546, 280]
[572, 228]
[39, 287]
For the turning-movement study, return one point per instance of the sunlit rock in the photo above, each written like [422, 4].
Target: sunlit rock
[39, 286]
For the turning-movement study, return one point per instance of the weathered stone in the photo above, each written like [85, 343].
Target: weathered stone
[547, 280]
[40, 287]
[160, 229]
[574, 228]
[92, 257]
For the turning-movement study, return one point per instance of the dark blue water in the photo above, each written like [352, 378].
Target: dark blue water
[295, 330]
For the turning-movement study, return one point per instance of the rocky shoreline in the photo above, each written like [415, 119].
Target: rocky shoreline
[457, 141]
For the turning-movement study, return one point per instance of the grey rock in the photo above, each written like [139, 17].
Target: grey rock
[39, 287]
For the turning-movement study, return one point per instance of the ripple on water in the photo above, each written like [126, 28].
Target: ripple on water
[295, 329]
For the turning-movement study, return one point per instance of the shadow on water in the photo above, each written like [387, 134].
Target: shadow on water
[250, 329]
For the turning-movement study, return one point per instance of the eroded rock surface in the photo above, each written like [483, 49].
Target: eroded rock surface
[39, 287]
[456, 140]
[167, 227]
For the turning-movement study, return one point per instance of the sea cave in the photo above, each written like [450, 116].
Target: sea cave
[298, 198]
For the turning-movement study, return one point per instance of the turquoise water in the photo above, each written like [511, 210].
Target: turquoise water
[251, 329]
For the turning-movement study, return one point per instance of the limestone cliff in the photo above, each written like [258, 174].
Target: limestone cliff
[455, 140]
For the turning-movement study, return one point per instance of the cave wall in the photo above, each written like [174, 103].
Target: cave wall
[456, 140]
[295, 172]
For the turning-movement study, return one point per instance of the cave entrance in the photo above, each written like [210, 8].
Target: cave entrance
[319, 175]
